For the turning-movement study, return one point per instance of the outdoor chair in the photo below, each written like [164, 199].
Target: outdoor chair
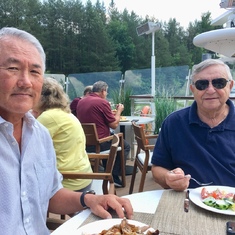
[143, 156]
[92, 139]
[108, 186]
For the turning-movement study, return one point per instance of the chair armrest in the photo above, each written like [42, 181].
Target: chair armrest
[105, 139]
[97, 156]
[81, 175]
[120, 134]
[122, 155]
[149, 147]
[151, 136]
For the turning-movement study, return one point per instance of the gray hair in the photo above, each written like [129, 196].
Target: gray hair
[87, 89]
[25, 36]
[99, 86]
[207, 63]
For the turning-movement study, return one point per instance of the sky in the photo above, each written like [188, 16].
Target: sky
[184, 11]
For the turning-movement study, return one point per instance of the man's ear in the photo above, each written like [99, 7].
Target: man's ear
[191, 87]
[231, 84]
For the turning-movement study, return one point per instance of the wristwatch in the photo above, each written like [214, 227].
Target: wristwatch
[82, 198]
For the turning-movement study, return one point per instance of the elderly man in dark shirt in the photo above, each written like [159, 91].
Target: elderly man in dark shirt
[96, 109]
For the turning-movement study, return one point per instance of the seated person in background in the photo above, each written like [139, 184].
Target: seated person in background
[73, 104]
[96, 109]
[66, 132]
[30, 183]
[199, 140]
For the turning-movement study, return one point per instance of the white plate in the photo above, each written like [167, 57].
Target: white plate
[195, 197]
[124, 120]
[97, 226]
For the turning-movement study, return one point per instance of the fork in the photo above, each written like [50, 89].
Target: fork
[199, 183]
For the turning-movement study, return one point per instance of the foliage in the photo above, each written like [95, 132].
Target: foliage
[123, 43]
[164, 105]
[123, 97]
[88, 38]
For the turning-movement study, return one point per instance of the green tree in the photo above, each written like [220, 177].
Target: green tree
[73, 23]
[12, 12]
[98, 50]
[162, 51]
[81, 39]
[174, 34]
[53, 22]
[32, 18]
[124, 46]
[195, 28]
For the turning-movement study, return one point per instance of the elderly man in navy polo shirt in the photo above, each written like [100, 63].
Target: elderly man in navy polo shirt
[199, 140]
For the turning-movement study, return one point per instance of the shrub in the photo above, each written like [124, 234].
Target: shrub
[123, 97]
[164, 106]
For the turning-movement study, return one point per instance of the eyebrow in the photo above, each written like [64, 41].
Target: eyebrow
[16, 61]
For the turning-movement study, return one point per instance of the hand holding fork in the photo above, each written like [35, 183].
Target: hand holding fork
[198, 182]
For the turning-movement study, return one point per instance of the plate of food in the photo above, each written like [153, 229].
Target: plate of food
[116, 226]
[123, 119]
[218, 199]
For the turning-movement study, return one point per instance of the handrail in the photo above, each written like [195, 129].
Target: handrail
[192, 98]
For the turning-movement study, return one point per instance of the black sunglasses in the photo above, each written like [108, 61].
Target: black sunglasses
[218, 83]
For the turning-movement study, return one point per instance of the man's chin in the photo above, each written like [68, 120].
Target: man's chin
[21, 109]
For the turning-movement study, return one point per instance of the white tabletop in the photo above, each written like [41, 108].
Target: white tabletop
[139, 120]
[138, 201]
[129, 134]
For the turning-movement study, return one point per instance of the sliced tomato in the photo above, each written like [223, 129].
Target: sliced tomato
[204, 193]
[229, 196]
[216, 194]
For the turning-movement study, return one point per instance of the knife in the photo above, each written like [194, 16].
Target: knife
[186, 202]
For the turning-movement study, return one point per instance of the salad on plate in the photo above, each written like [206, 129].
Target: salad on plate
[219, 199]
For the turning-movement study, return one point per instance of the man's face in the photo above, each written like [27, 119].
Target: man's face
[21, 77]
[211, 99]
[104, 93]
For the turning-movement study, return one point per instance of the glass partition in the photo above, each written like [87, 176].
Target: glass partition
[59, 77]
[77, 82]
[169, 80]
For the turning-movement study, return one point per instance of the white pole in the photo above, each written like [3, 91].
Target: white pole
[153, 81]
[153, 68]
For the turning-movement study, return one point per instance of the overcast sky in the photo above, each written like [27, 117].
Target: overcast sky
[184, 11]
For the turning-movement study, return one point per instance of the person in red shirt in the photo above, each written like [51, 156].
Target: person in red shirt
[73, 104]
[94, 108]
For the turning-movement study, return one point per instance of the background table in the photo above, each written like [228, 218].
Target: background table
[126, 128]
[140, 120]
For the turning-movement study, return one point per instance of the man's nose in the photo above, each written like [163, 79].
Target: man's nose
[25, 79]
[210, 87]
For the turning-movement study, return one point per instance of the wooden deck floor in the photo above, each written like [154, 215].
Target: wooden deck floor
[150, 184]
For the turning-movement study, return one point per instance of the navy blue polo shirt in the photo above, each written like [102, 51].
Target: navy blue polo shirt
[207, 154]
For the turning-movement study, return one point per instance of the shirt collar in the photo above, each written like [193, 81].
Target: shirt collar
[228, 123]
[28, 118]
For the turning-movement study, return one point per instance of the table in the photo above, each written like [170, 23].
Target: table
[138, 201]
[166, 212]
[140, 120]
[126, 127]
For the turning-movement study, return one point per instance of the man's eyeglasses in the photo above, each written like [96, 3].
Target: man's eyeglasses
[218, 83]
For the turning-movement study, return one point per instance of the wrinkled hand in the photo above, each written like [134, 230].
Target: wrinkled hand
[99, 204]
[120, 107]
[114, 111]
[177, 180]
